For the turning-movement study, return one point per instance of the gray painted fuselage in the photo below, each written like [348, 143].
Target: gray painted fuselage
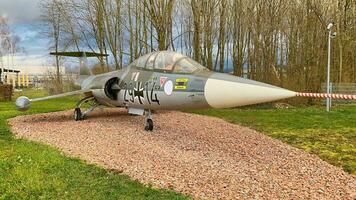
[146, 89]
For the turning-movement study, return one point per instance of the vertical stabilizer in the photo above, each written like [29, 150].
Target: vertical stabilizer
[83, 66]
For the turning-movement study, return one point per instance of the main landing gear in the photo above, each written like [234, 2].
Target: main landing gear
[149, 121]
[78, 114]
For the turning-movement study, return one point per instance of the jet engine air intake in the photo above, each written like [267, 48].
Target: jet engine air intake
[112, 88]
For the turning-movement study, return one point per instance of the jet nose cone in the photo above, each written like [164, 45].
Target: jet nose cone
[225, 91]
[22, 103]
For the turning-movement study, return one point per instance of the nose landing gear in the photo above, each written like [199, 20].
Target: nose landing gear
[149, 121]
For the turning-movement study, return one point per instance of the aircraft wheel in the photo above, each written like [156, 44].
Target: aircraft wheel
[149, 125]
[78, 114]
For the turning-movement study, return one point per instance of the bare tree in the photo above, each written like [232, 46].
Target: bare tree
[113, 32]
[281, 42]
[160, 15]
[53, 23]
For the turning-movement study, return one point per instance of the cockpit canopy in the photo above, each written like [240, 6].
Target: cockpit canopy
[167, 61]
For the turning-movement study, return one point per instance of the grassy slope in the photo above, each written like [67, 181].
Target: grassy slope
[331, 136]
[29, 170]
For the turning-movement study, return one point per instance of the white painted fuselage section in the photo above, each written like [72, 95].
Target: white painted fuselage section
[227, 94]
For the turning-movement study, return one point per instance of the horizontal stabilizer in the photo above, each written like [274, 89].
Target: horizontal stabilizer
[78, 54]
[84, 70]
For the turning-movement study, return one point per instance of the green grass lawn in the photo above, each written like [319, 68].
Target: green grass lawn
[29, 170]
[331, 136]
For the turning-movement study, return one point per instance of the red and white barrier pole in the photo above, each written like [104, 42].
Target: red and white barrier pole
[325, 95]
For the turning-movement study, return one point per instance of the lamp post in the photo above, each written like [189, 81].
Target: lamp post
[9, 43]
[330, 36]
[1, 62]
[12, 62]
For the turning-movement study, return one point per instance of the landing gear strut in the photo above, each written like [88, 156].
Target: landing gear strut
[78, 114]
[149, 121]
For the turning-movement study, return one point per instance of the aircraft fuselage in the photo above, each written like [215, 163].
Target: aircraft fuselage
[145, 89]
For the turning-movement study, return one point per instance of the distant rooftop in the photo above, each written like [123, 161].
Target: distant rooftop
[10, 70]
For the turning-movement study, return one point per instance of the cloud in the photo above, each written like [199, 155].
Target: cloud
[20, 11]
[30, 38]
[24, 20]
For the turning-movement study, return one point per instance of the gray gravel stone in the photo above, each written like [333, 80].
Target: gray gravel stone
[198, 155]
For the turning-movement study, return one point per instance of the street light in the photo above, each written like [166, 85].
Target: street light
[9, 51]
[2, 64]
[12, 52]
[330, 36]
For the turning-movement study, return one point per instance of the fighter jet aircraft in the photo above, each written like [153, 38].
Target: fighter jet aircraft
[163, 80]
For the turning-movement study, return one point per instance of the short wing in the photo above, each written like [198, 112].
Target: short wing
[62, 95]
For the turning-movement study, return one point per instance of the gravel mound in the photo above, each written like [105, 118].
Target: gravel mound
[198, 155]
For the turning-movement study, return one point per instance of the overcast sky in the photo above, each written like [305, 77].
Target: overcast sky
[24, 18]
[20, 11]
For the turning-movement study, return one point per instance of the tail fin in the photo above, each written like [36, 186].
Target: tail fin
[84, 70]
